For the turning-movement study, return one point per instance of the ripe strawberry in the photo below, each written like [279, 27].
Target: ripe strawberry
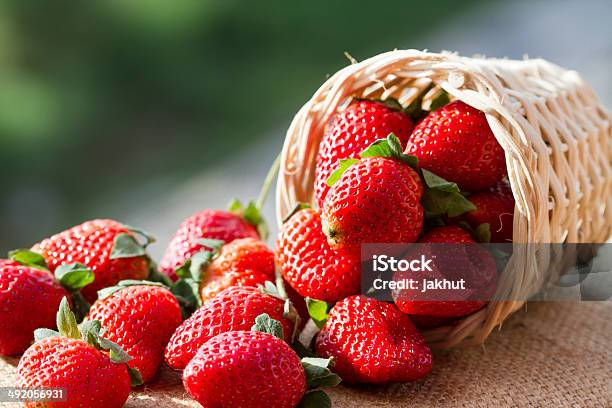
[496, 208]
[447, 235]
[245, 369]
[377, 199]
[309, 265]
[351, 131]
[77, 361]
[106, 247]
[29, 299]
[212, 224]
[242, 262]
[141, 319]
[234, 308]
[456, 143]
[373, 342]
[467, 261]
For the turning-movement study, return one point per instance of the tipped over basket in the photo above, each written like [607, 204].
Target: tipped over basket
[555, 133]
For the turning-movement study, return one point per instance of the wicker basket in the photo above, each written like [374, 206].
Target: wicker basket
[555, 133]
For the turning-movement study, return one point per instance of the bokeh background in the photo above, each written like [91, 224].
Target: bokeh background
[149, 110]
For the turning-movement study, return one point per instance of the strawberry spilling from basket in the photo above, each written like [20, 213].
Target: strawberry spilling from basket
[249, 326]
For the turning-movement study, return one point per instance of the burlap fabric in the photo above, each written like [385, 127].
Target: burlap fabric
[552, 355]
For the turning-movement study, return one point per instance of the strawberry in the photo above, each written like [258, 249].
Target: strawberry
[464, 260]
[309, 265]
[232, 367]
[29, 299]
[242, 262]
[234, 308]
[90, 368]
[456, 143]
[140, 317]
[245, 369]
[494, 207]
[377, 199]
[107, 247]
[447, 235]
[373, 342]
[212, 224]
[351, 131]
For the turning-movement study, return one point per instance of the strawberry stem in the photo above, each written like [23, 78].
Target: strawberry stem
[265, 189]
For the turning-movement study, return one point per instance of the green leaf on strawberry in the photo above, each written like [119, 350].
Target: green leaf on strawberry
[186, 291]
[251, 214]
[106, 292]
[43, 333]
[317, 310]
[315, 399]
[439, 100]
[342, 166]
[391, 148]
[443, 197]
[126, 246]
[264, 323]
[91, 332]
[74, 276]
[29, 258]
[318, 373]
[66, 321]
[149, 238]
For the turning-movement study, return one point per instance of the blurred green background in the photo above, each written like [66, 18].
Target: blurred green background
[100, 99]
[149, 110]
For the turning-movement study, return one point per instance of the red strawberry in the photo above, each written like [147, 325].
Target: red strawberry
[245, 369]
[447, 235]
[309, 265]
[496, 208]
[453, 262]
[233, 309]
[242, 262]
[77, 361]
[352, 130]
[29, 299]
[373, 342]
[211, 224]
[456, 143]
[377, 199]
[98, 245]
[141, 319]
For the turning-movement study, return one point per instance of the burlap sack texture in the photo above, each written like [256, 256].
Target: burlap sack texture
[557, 355]
[555, 133]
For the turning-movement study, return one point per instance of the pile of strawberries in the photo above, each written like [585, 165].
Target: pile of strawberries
[92, 313]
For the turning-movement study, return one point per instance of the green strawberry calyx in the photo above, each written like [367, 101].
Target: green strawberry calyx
[251, 214]
[90, 332]
[265, 324]
[111, 290]
[29, 258]
[318, 375]
[289, 311]
[389, 147]
[318, 311]
[73, 277]
[481, 234]
[187, 288]
[443, 197]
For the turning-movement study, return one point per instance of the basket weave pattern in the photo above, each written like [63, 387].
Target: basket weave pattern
[556, 136]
